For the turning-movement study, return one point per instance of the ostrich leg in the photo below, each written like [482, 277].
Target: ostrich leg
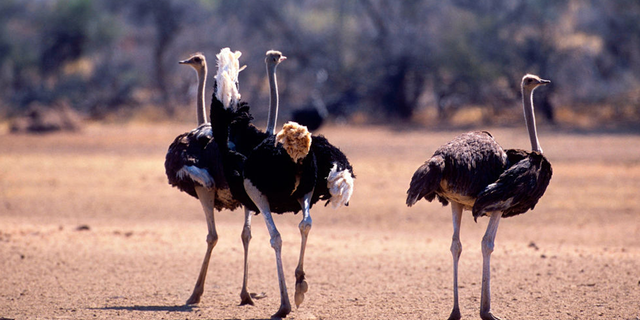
[276, 243]
[305, 227]
[456, 250]
[487, 249]
[246, 237]
[207, 199]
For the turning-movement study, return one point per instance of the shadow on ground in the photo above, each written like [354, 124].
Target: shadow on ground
[180, 308]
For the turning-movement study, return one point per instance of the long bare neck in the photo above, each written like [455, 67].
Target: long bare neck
[273, 101]
[530, 118]
[200, 106]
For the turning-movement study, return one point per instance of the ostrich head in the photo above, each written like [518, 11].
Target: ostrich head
[295, 139]
[531, 81]
[274, 58]
[196, 61]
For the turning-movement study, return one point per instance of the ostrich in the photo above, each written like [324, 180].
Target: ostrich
[193, 162]
[313, 115]
[474, 173]
[287, 172]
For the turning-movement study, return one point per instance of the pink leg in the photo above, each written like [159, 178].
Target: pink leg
[487, 249]
[456, 250]
[276, 243]
[246, 237]
[206, 199]
[305, 227]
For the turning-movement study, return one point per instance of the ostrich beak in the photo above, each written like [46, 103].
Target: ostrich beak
[282, 58]
[544, 82]
[183, 62]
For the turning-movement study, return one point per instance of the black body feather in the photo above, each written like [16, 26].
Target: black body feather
[518, 188]
[473, 167]
[197, 148]
[426, 181]
[309, 117]
[327, 155]
[282, 181]
[250, 153]
[464, 166]
[186, 150]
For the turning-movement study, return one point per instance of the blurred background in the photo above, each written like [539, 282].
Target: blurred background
[427, 62]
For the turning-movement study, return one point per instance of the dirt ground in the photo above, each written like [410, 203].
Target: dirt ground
[89, 228]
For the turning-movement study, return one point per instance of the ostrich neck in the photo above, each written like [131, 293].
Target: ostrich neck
[200, 108]
[273, 102]
[530, 119]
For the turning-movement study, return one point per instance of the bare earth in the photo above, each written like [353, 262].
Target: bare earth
[89, 228]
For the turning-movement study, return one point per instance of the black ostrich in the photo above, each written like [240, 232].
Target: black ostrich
[311, 116]
[474, 173]
[288, 172]
[193, 162]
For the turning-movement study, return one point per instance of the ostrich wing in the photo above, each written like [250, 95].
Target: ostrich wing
[184, 163]
[518, 188]
[335, 173]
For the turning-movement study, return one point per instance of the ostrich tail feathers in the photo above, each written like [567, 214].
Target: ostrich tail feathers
[227, 77]
[425, 181]
[295, 139]
[340, 185]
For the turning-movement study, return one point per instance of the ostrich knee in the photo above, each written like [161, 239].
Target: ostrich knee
[212, 239]
[487, 245]
[246, 235]
[276, 241]
[456, 247]
[305, 226]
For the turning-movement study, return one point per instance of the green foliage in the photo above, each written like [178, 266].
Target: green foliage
[64, 34]
[385, 58]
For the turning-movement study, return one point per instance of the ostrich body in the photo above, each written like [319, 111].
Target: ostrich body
[281, 173]
[312, 116]
[474, 173]
[193, 162]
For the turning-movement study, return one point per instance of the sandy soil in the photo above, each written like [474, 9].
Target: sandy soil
[89, 228]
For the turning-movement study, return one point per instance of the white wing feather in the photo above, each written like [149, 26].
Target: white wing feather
[340, 185]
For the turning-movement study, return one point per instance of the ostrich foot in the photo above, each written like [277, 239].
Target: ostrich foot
[455, 314]
[301, 289]
[195, 297]
[245, 298]
[282, 312]
[488, 316]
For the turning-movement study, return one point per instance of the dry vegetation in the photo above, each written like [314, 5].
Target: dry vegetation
[89, 228]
